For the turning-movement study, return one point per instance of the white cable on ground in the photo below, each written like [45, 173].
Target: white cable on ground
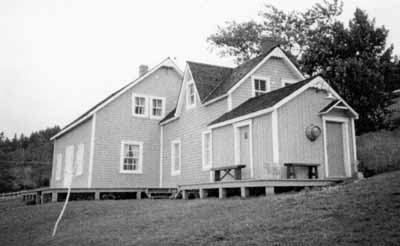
[62, 211]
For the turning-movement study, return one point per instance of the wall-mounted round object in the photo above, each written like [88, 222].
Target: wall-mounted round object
[313, 132]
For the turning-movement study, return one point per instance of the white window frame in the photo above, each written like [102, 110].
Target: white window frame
[140, 164]
[267, 84]
[206, 166]
[146, 105]
[59, 160]
[188, 96]
[151, 107]
[175, 172]
[79, 159]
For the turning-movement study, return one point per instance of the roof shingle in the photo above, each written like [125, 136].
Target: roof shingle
[214, 81]
[261, 102]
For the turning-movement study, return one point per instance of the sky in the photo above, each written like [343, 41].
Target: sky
[58, 58]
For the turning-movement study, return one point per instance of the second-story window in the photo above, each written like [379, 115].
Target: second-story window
[139, 106]
[157, 105]
[260, 86]
[191, 95]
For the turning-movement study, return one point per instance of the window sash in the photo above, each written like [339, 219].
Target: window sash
[191, 94]
[79, 159]
[207, 150]
[175, 157]
[140, 105]
[157, 107]
[58, 166]
[131, 157]
[260, 87]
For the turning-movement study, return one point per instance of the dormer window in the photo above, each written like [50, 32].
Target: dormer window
[261, 86]
[190, 95]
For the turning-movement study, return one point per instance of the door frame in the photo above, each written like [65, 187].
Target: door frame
[346, 143]
[236, 134]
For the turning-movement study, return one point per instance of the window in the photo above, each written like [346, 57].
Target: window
[190, 95]
[176, 157]
[79, 159]
[139, 105]
[261, 86]
[131, 157]
[206, 150]
[157, 105]
[58, 166]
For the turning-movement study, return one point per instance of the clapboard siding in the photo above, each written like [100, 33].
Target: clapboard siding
[293, 119]
[273, 68]
[262, 147]
[188, 128]
[115, 123]
[223, 146]
[80, 135]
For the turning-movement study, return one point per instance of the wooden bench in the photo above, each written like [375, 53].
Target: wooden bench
[312, 169]
[227, 171]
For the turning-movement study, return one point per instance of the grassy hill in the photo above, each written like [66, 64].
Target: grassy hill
[366, 212]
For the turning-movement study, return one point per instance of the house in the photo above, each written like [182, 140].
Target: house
[170, 129]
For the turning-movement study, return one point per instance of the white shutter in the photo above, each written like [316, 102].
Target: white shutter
[58, 166]
[69, 162]
[79, 159]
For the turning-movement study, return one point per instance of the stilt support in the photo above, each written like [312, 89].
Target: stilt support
[244, 192]
[269, 191]
[97, 195]
[185, 195]
[203, 193]
[221, 193]
[139, 195]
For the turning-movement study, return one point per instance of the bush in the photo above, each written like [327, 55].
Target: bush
[379, 151]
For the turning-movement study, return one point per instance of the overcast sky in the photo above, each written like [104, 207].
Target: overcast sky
[58, 58]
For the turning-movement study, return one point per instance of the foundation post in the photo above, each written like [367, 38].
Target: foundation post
[185, 195]
[202, 193]
[221, 193]
[244, 192]
[269, 191]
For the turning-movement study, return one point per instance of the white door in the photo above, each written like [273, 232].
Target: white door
[244, 150]
[69, 160]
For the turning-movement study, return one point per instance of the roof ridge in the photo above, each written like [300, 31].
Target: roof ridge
[208, 64]
[223, 81]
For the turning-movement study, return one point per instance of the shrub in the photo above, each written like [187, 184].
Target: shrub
[379, 151]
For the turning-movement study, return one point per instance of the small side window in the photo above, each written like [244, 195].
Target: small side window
[58, 166]
[261, 86]
[190, 95]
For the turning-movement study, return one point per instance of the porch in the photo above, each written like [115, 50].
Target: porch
[267, 186]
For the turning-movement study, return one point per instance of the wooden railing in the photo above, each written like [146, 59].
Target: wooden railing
[14, 195]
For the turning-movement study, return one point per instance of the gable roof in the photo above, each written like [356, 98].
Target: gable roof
[214, 81]
[88, 114]
[207, 77]
[267, 100]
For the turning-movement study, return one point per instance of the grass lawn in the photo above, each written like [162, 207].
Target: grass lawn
[366, 212]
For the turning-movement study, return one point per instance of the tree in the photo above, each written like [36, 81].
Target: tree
[354, 59]
[356, 62]
[293, 30]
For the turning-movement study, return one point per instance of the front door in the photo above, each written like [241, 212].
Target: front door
[335, 149]
[244, 143]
